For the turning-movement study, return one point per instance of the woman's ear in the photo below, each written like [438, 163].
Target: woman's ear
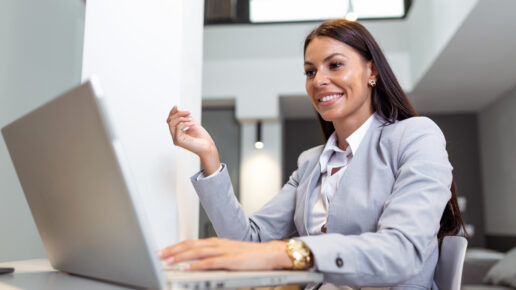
[372, 70]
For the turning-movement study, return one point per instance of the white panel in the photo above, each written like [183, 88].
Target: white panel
[431, 25]
[147, 55]
[260, 170]
[190, 98]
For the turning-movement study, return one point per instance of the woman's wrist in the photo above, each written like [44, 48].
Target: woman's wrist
[210, 160]
[281, 258]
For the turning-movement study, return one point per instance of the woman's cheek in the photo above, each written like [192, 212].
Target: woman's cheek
[346, 75]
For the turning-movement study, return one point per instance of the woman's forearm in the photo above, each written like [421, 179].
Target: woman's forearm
[210, 160]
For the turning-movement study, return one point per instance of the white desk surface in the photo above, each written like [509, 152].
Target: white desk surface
[38, 274]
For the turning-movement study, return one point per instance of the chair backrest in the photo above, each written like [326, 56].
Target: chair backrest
[448, 273]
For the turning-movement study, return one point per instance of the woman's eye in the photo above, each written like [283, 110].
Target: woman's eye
[334, 65]
[309, 73]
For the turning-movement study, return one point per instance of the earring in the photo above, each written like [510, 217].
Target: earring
[372, 83]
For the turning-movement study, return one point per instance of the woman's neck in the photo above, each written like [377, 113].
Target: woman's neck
[345, 127]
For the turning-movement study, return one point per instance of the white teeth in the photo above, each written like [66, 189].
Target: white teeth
[327, 98]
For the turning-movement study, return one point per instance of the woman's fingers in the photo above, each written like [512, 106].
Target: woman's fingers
[175, 110]
[187, 245]
[169, 252]
[181, 131]
[175, 122]
[171, 119]
[175, 113]
[217, 253]
[194, 254]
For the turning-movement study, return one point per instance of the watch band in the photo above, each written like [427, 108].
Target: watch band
[299, 254]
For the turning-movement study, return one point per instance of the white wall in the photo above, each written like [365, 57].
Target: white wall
[40, 57]
[498, 142]
[260, 170]
[147, 56]
[431, 25]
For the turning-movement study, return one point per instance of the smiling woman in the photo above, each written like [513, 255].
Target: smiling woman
[369, 208]
[338, 83]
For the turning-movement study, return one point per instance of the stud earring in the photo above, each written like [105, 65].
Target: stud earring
[372, 83]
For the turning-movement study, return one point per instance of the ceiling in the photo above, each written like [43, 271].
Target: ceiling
[477, 66]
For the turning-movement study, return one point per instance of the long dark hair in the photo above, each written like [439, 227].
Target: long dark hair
[387, 99]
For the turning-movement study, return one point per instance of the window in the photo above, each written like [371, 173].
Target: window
[281, 11]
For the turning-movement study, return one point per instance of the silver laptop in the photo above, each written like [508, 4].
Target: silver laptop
[72, 170]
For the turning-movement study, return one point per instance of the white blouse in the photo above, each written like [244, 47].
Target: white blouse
[333, 157]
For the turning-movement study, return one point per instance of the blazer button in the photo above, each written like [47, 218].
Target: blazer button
[339, 262]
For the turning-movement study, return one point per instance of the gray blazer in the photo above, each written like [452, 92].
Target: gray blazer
[382, 223]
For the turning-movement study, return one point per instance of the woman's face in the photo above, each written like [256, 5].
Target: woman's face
[337, 80]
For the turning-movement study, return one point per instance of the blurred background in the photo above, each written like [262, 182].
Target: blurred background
[455, 59]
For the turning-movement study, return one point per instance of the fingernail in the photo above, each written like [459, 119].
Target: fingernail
[170, 260]
[185, 267]
[185, 129]
[160, 253]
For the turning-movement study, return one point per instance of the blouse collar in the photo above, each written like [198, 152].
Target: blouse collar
[341, 156]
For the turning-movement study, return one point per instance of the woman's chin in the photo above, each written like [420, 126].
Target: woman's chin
[327, 117]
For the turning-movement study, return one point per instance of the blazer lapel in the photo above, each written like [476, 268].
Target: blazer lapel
[354, 171]
[314, 186]
[306, 189]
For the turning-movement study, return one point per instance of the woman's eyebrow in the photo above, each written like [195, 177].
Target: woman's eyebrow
[332, 55]
[327, 58]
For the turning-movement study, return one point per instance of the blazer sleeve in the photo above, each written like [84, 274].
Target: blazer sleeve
[407, 228]
[273, 222]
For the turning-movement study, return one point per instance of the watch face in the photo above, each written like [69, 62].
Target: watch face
[299, 254]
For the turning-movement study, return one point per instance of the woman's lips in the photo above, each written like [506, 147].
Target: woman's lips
[330, 99]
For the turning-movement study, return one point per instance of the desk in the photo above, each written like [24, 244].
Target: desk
[38, 274]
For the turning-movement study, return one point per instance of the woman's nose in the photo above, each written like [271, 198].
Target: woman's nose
[321, 79]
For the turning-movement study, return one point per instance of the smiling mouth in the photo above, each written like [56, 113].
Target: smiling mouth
[330, 97]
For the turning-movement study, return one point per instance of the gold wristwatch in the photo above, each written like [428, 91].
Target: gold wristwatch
[299, 254]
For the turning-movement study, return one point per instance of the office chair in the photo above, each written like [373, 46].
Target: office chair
[448, 273]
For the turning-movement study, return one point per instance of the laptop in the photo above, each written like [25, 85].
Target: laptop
[76, 181]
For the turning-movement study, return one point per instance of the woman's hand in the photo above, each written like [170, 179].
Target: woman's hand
[190, 135]
[215, 253]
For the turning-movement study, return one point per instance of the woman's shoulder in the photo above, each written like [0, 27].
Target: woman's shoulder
[311, 153]
[414, 126]
[309, 157]
[415, 134]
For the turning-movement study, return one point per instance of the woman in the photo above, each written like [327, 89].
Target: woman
[367, 208]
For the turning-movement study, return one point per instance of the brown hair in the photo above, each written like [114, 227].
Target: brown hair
[387, 98]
